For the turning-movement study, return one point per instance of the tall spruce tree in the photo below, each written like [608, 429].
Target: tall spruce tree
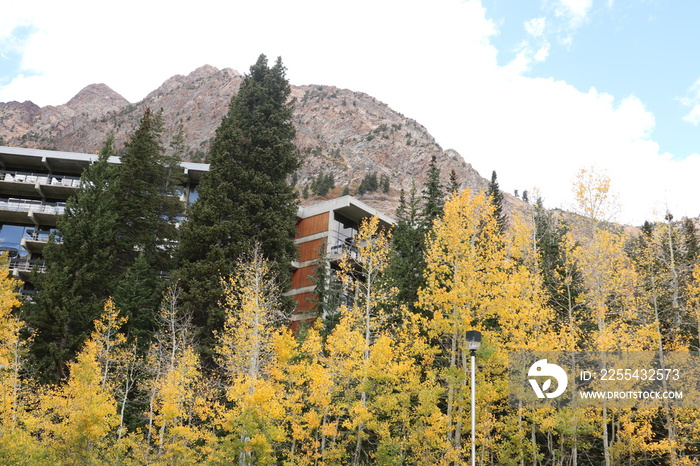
[560, 274]
[454, 183]
[119, 227]
[433, 195]
[496, 196]
[406, 262]
[146, 189]
[79, 272]
[244, 198]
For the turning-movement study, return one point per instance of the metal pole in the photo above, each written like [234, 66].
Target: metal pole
[473, 407]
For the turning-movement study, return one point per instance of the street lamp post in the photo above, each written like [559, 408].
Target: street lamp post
[474, 341]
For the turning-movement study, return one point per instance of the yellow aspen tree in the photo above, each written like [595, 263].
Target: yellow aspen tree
[593, 197]
[620, 320]
[575, 423]
[176, 391]
[17, 419]
[595, 202]
[656, 274]
[109, 339]
[246, 351]
[345, 360]
[175, 409]
[11, 347]
[361, 278]
[118, 360]
[305, 377]
[405, 415]
[526, 322]
[464, 273]
[84, 413]
[479, 277]
[693, 298]
[688, 420]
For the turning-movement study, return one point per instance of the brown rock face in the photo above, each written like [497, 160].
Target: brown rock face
[346, 133]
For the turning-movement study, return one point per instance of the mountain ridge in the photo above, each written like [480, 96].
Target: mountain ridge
[339, 131]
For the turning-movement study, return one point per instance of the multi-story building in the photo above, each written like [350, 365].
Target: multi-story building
[331, 225]
[35, 185]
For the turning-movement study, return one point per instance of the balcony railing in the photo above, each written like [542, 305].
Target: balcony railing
[341, 245]
[27, 205]
[38, 236]
[27, 265]
[41, 178]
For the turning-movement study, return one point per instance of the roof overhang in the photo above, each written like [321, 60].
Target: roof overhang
[348, 206]
[70, 163]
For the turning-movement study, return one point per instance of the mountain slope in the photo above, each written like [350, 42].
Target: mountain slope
[339, 131]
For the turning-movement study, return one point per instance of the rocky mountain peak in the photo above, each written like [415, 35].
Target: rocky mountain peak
[340, 132]
[98, 98]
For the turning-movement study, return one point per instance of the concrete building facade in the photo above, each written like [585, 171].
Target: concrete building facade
[35, 185]
[327, 227]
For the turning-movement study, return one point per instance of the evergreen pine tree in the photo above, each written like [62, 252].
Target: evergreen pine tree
[369, 184]
[496, 196]
[454, 183]
[690, 240]
[244, 198]
[327, 291]
[146, 190]
[79, 272]
[118, 225]
[384, 183]
[560, 275]
[433, 196]
[406, 262]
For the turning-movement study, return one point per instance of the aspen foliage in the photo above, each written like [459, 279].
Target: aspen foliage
[109, 340]
[384, 391]
[610, 287]
[694, 300]
[117, 360]
[477, 278]
[246, 346]
[19, 411]
[311, 418]
[385, 384]
[11, 348]
[82, 413]
[363, 322]
[593, 197]
[618, 319]
[177, 403]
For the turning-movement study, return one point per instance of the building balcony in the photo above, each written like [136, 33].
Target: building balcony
[34, 241]
[24, 211]
[41, 184]
[342, 245]
[22, 268]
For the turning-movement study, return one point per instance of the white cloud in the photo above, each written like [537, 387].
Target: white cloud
[692, 100]
[535, 48]
[542, 53]
[575, 10]
[536, 26]
[430, 61]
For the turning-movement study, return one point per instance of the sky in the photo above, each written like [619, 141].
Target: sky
[533, 89]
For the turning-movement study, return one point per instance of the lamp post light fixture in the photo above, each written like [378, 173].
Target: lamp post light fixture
[473, 338]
